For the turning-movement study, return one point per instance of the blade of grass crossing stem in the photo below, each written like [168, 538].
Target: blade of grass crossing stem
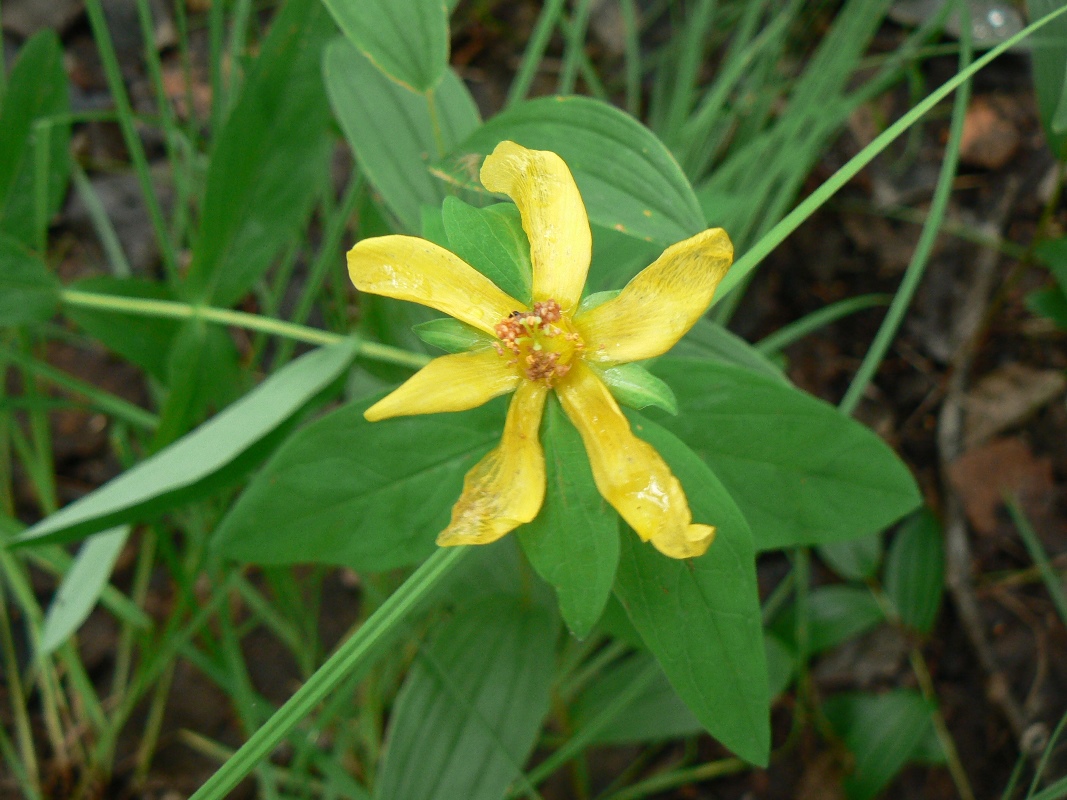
[1040, 557]
[751, 259]
[809, 323]
[920, 258]
[350, 655]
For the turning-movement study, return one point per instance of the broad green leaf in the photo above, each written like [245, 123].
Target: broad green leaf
[391, 130]
[701, 617]
[617, 257]
[711, 341]
[81, 587]
[36, 92]
[1048, 55]
[802, 472]
[470, 710]
[369, 495]
[628, 179]
[636, 387]
[574, 541]
[837, 613]
[656, 714]
[883, 732]
[408, 41]
[268, 163]
[220, 448]
[451, 335]
[144, 340]
[856, 559]
[915, 571]
[493, 242]
[28, 291]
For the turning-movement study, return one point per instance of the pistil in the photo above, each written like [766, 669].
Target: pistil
[540, 342]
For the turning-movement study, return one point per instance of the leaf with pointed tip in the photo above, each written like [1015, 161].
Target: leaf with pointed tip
[701, 617]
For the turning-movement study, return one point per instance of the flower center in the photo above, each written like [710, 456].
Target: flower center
[541, 342]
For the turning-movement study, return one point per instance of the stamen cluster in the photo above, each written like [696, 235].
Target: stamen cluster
[534, 341]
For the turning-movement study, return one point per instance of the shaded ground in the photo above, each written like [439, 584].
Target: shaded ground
[999, 653]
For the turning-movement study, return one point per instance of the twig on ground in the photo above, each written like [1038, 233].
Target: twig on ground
[970, 328]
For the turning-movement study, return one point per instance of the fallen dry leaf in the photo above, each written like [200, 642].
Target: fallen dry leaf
[989, 137]
[984, 475]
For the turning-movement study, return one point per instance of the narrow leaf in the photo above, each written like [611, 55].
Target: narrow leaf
[471, 708]
[188, 466]
[915, 571]
[81, 587]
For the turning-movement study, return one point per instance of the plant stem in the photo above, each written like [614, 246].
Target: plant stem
[348, 657]
[172, 309]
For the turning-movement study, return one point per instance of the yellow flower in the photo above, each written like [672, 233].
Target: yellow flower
[552, 345]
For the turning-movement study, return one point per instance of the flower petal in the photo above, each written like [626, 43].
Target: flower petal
[628, 471]
[409, 268]
[506, 488]
[660, 304]
[449, 383]
[553, 216]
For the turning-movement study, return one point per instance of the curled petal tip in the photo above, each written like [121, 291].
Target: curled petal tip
[693, 543]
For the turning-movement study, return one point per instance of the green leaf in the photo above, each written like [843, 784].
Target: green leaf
[882, 731]
[701, 617]
[216, 451]
[28, 291]
[636, 387]
[493, 242]
[81, 587]
[710, 341]
[628, 179]
[391, 130]
[407, 41]
[856, 559]
[656, 714]
[574, 541]
[837, 613]
[369, 495]
[202, 373]
[269, 161]
[915, 571]
[781, 664]
[470, 710]
[36, 93]
[1051, 303]
[452, 336]
[1048, 55]
[802, 472]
